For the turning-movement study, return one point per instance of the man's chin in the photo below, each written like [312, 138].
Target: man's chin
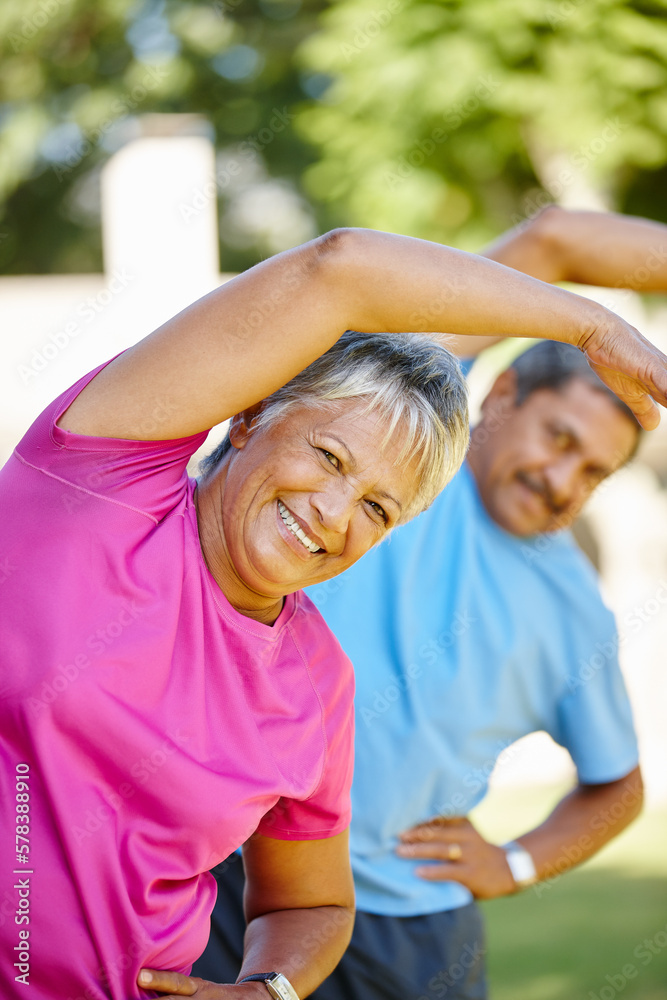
[522, 526]
[547, 527]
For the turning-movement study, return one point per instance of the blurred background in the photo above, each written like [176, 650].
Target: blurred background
[150, 149]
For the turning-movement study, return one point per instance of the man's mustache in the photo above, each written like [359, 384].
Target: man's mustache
[543, 490]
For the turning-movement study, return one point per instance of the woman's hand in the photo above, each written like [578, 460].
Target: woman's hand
[630, 365]
[299, 903]
[176, 985]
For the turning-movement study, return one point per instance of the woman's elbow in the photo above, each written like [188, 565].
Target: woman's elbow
[337, 245]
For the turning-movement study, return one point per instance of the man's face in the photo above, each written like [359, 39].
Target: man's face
[537, 463]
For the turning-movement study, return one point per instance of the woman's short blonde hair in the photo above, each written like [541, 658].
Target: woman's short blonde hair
[416, 383]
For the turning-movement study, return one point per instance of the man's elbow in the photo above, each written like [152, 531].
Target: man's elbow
[549, 234]
[628, 801]
[632, 795]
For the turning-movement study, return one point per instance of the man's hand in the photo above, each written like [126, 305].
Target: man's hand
[176, 985]
[462, 855]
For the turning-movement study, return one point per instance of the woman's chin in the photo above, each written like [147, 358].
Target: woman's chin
[275, 576]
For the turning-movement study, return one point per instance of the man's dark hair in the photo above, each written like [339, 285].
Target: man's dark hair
[551, 365]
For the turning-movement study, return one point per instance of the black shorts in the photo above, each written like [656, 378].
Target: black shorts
[437, 955]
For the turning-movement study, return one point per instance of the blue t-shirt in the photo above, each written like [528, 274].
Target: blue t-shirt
[465, 638]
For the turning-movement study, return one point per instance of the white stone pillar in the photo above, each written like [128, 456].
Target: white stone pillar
[159, 218]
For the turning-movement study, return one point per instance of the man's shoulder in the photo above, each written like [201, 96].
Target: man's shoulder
[560, 573]
[555, 555]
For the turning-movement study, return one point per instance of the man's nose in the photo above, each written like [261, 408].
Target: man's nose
[565, 482]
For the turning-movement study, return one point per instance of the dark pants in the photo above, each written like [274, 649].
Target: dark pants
[438, 955]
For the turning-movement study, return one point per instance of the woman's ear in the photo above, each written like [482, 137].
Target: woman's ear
[242, 425]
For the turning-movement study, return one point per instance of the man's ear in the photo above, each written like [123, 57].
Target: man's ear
[501, 397]
[242, 425]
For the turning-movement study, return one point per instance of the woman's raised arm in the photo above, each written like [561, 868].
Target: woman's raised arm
[238, 344]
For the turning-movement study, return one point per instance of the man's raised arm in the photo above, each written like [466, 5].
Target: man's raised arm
[589, 248]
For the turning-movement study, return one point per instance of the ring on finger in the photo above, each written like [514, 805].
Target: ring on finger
[455, 852]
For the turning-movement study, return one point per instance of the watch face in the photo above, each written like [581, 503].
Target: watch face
[521, 865]
[281, 988]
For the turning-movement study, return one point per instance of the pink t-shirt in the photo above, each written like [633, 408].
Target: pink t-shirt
[148, 727]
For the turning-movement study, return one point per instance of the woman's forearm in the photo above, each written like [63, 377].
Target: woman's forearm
[304, 944]
[398, 283]
[419, 286]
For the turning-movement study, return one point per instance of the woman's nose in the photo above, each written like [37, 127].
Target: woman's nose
[334, 507]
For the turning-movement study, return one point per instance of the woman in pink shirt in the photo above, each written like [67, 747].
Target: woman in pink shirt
[168, 692]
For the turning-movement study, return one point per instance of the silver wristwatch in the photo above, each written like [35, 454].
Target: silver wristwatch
[520, 864]
[278, 985]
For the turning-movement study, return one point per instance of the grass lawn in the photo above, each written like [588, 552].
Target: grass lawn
[597, 933]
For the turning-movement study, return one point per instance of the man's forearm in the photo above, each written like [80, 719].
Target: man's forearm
[304, 944]
[590, 248]
[582, 823]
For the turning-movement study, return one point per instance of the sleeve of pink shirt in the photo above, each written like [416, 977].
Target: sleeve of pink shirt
[145, 476]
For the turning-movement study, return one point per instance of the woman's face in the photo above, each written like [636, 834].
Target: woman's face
[300, 501]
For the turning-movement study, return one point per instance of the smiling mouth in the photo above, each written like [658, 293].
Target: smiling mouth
[291, 522]
[536, 489]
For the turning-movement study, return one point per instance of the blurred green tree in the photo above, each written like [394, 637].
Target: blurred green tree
[446, 119]
[450, 118]
[76, 74]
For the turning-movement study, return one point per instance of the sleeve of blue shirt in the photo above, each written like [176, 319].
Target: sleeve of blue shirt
[595, 718]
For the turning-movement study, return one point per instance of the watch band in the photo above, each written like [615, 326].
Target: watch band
[520, 864]
[278, 985]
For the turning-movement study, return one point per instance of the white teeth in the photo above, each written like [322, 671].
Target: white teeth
[296, 530]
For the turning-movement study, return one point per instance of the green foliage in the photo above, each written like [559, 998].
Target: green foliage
[76, 73]
[450, 118]
[446, 119]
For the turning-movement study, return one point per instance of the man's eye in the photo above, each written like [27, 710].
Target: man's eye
[330, 458]
[561, 438]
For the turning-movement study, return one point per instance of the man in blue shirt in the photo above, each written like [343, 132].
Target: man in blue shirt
[475, 624]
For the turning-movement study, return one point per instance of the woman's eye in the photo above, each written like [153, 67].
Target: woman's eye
[330, 458]
[379, 510]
